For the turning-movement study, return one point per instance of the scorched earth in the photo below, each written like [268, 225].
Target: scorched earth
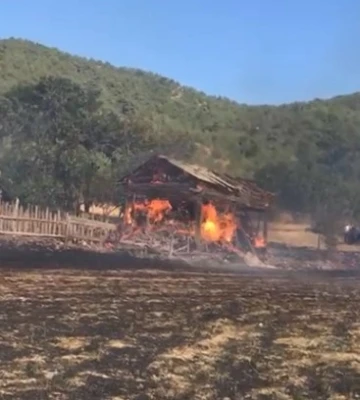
[178, 335]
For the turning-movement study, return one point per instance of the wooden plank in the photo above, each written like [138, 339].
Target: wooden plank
[265, 228]
[36, 216]
[59, 223]
[46, 225]
[52, 221]
[198, 222]
[67, 228]
[11, 233]
[29, 219]
[36, 234]
[88, 222]
[15, 214]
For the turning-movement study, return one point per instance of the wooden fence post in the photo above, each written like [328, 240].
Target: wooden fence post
[67, 228]
[33, 221]
[15, 215]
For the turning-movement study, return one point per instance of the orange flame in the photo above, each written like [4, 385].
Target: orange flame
[156, 208]
[217, 227]
[259, 242]
[214, 227]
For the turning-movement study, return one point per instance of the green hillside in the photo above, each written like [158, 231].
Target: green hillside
[306, 152]
[159, 97]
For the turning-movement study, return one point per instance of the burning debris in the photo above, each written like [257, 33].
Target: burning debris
[185, 211]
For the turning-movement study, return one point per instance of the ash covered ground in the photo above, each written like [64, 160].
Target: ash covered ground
[85, 325]
[44, 252]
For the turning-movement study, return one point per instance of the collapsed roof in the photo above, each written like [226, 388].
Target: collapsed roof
[161, 175]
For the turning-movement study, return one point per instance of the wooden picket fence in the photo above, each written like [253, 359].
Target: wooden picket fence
[17, 220]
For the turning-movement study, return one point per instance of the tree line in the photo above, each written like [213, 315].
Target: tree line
[62, 146]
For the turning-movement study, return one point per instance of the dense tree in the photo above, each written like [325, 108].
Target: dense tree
[62, 143]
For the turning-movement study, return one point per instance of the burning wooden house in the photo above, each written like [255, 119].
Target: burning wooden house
[172, 199]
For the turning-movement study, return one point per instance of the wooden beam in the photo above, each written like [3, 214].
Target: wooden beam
[198, 222]
[265, 227]
[127, 210]
[186, 191]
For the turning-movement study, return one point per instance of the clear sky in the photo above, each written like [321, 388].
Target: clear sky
[253, 51]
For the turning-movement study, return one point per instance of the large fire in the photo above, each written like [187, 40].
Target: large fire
[155, 209]
[215, 226]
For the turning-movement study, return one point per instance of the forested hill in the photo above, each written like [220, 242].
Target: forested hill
[305, 152]
[152, 94]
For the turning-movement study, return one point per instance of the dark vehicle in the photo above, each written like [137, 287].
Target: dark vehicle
[351, 234]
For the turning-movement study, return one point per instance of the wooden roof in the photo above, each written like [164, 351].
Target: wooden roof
[243, 191]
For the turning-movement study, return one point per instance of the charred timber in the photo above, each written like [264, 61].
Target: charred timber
[187, 192]
[167, 191]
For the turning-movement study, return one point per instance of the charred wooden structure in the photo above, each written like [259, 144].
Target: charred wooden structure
[162, 177]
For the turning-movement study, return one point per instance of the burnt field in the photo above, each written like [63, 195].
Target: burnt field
[141, 334]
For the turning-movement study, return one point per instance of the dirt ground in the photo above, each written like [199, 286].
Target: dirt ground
[141, 334]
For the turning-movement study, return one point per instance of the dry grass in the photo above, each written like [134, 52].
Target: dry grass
[151, 335]
[292, 234]
[297, 235]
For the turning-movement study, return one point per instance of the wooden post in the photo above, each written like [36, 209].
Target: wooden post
[67, 228]
[198, 222]
[147, 222]
[171, 249]
[15, 215]
[1, 219]
[260, 221]
[248, 240]
[233, 211]
[126, 211]
[47, 217]
[129, 205]
[265, 227]
[37, 219]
